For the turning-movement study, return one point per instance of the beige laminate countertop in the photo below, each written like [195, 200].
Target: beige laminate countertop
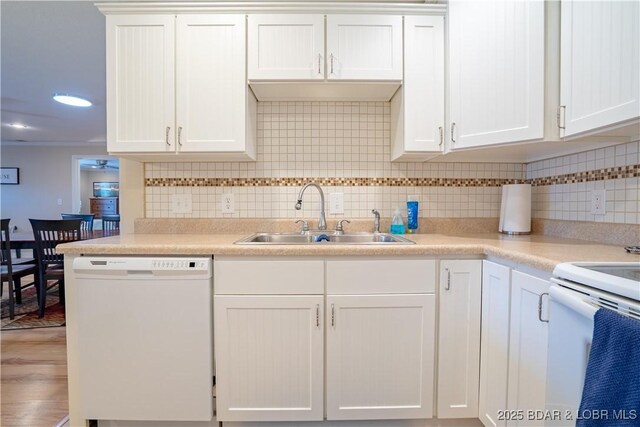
[540, 252]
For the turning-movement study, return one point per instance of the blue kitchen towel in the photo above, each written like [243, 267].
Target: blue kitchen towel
[612, 381]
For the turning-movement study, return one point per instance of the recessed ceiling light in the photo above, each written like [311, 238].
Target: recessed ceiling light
[74, 101]
[18, 125]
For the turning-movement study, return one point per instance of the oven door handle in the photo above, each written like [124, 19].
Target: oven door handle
[570, 300]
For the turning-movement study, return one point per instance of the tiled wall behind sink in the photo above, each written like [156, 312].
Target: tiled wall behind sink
[343, 145]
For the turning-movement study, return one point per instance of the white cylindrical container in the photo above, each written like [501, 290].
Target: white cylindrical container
[515, 209]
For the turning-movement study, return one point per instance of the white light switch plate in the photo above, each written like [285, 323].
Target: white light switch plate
[181, 203]
[227, 204]
[598, 202]
[336, 203]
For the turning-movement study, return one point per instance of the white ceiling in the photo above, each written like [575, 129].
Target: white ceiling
[49, 47]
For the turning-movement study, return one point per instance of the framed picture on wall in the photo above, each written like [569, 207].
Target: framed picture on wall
[9, 176]
[106, 189]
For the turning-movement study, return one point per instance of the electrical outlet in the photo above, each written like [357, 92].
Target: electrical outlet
[228, 206]
[59, 202]
[181, 203]
[598, 202]
[336, 203]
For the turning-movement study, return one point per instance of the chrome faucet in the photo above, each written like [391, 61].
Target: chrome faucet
[322, 222]
[376, 221]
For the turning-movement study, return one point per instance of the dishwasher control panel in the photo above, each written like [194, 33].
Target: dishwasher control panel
[182, 264]
[140, 265]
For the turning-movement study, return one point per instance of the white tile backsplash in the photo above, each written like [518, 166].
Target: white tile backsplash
[351, 139]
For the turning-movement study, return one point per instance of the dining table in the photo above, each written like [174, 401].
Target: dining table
[26, 240]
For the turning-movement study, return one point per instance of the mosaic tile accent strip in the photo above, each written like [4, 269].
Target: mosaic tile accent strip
[332, 182]
[619, 172]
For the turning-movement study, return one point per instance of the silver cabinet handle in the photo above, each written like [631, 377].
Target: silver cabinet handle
[166, 135]
[453, 129]
[179, 135]
[540, 308]
[448, 285]
[318, 315]
[560, 114]
[319, 61]
[331, 57]
[441, 135]
[333, 315]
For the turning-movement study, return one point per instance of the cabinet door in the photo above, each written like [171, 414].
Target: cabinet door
[494, 345]
[211, 84]
[459, 339]
[496, 72]
[420, 101]
[364, 47]
[600, 45]
[380, 356]
[269, 358]
[286, 47]
[140, 83]
[528, 345]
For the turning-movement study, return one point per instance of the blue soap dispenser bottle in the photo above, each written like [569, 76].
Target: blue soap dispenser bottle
[397, 224]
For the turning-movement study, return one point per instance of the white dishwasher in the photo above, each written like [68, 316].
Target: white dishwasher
[145, 338]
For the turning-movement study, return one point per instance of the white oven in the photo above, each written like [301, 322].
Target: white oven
[578, 291]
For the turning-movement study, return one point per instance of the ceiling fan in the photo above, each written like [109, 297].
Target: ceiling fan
[103, 164]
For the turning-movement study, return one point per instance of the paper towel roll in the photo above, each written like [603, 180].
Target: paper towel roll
[515, 209]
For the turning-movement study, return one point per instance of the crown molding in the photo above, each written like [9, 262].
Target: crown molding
[372, 7]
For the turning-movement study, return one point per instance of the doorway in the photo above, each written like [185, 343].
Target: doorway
[95, 178]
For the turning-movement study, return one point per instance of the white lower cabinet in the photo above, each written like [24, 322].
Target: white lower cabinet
[494, 353]
[459, 338]
[528, 339]
[514, 346]
[380, 351]
[269, 357]
[270, 322]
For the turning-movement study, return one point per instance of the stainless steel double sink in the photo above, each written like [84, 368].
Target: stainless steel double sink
[321, 237]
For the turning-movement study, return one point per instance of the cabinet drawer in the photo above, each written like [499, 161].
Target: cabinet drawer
[389, 276]
[268, 276]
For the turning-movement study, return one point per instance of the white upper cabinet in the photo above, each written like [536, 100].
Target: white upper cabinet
[497, 60]
[459, 338]
[286, 47]
[600, 45]
[140, 83]
[364, 47]
[417, 109]
[210, 84]
[176, 84]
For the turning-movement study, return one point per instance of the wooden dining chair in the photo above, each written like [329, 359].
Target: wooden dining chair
[110, 225]
[13, 273]
[48, 234]
[87, 220]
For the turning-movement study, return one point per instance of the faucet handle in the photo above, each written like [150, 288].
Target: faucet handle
[305, 225]
[339, 226]
[376, 221]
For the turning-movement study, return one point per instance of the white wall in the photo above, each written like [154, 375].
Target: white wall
[45, 176]
[87, 178]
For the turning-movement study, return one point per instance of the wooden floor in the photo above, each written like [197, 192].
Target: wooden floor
[34, 377]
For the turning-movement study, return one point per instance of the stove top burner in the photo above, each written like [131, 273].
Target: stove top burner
[631, 273]
[618, 278]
